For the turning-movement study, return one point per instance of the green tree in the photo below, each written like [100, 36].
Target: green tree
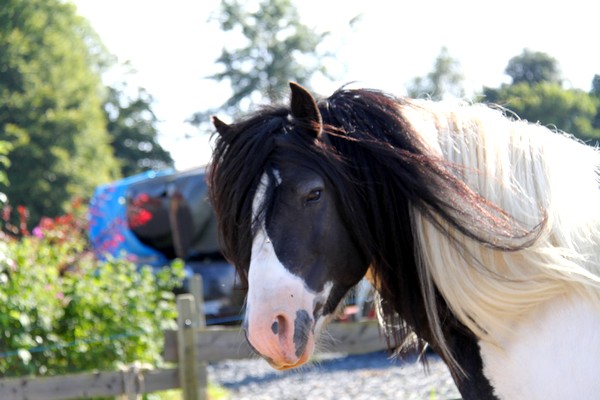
[537, 95]
[596, 86]
[570, 110]
[445, 79]
[277, 48]
[596, 93]
[533, 67]
[5, 148]
[132, 127]
[51, 105]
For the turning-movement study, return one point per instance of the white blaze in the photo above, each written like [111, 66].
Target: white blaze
[271, 287]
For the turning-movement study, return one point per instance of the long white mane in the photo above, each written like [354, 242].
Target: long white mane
[532, 173]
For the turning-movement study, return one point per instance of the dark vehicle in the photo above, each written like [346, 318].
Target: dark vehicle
[155, 217]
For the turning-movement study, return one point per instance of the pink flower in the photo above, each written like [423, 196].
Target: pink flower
[38, 232]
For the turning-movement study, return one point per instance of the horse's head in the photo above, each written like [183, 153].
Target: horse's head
[303, 258]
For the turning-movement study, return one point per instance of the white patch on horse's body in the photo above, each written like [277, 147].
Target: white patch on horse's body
[553, 354]
[275, 294]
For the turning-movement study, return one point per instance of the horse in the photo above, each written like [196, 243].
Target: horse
[479, 231]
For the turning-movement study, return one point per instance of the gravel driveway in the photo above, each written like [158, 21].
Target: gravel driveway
[339, 377]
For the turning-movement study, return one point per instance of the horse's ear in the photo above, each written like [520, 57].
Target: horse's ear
[305, 110]
[221, 126]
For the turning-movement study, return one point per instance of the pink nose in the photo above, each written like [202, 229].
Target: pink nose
[286, 341]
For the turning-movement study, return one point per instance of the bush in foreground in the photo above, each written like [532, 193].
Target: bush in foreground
[62, 310]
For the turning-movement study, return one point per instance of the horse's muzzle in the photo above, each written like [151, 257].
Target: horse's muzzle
[285, 340]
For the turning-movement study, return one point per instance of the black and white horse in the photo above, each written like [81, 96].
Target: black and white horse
[480, 233]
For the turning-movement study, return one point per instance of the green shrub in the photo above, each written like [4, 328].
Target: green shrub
[62, 310]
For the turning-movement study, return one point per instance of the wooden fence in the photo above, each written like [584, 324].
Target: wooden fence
[189, 347]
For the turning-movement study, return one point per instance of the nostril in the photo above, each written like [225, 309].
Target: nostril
[279, 326]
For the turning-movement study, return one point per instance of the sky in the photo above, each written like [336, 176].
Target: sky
[172, 47]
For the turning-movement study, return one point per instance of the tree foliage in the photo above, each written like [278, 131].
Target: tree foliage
[132, 128]
[596, 86]
[537, 95]
[276, 48]
[5, 148]
[533, 67]
[596, 94]
[569, 110]
[50, 105]
[445, 79]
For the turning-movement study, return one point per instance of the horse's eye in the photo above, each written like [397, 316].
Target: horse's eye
[314, 196]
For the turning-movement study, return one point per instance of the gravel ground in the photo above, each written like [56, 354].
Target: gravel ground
[337, 376]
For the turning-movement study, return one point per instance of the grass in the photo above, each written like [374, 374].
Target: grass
[433, 395]
[215, 392]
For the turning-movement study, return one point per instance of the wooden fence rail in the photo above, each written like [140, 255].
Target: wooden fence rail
[191, 346]
[229, 343]
[88, 385]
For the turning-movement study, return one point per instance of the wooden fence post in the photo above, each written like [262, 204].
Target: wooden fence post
[187, 320]
[131, 383]
[197, 290]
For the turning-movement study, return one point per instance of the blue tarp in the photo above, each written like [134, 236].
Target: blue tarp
[108, 230]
